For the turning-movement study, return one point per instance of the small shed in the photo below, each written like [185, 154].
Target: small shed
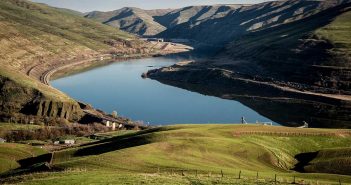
[2, 140]
[69, 142]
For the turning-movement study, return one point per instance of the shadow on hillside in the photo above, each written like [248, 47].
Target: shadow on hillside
[120, 142]
[35, 160]
[304, 159]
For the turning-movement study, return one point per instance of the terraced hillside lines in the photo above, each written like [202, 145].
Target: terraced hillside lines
[167, 152]
[330, 161]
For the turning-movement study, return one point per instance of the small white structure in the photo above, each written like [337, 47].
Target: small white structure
[69, 142]
[107, 124]
[56, 142]
[156, 39]
[264, 123]
[120, 126]
[101, 58]
[113, 126]
[305, 125]
[2, 140]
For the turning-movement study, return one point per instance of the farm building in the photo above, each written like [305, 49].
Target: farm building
[69, 142]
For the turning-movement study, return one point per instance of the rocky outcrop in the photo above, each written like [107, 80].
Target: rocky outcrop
[16, 99]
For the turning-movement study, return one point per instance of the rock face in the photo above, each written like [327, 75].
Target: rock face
[17, 99]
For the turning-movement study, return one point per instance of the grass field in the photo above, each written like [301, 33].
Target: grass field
[10, 153]
[175, 154]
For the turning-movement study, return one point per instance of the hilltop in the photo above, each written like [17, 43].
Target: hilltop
[132, 20]
[152, 22]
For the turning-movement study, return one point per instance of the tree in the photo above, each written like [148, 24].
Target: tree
[114, 114]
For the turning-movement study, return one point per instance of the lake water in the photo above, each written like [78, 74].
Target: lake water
[119, 86]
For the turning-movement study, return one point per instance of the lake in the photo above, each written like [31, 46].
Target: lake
[119, 86]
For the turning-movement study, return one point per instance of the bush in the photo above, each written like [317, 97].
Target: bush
[53, 133]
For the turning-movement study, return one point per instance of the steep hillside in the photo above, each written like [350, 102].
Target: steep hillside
[315, 51]
[152, 22]
[283, 48]
[132, 20]
[35, 38]
[241, 20]
[194, 14]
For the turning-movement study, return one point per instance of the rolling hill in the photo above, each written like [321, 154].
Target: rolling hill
[200, 154]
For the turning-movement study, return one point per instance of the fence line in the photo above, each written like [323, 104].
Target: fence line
[241, 176]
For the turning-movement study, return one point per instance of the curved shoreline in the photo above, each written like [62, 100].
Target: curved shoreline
[179, 71]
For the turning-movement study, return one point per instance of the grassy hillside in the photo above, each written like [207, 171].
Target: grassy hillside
[161, 155]
[35, 36]
[30, 31]
[331, 160]
[10, 153]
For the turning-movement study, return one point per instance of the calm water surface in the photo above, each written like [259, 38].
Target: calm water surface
[119, 86]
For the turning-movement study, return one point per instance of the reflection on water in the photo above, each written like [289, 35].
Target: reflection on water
[282, 110]
[119, 86]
